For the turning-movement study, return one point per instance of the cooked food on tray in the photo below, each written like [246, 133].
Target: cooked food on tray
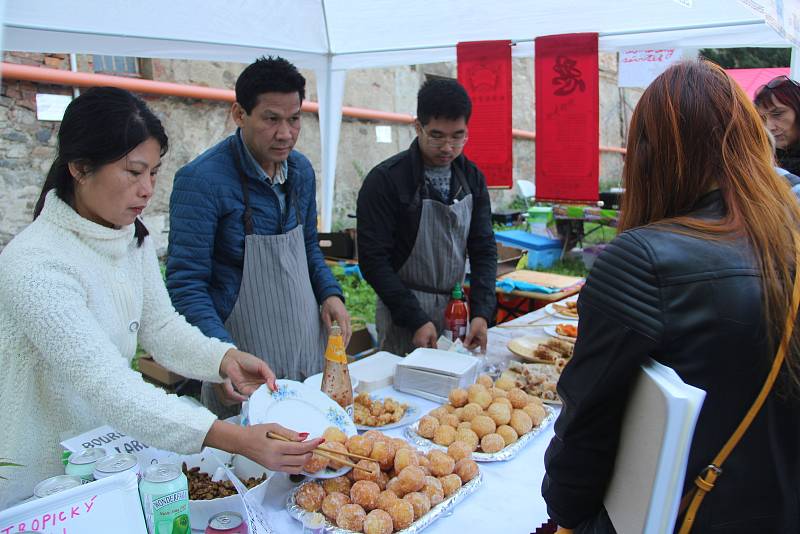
[369, 412]
[540, 349]
[569, 308]
[203, 488]
[567, 330]
[536, 379]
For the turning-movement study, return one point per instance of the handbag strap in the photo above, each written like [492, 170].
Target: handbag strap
[704, 482]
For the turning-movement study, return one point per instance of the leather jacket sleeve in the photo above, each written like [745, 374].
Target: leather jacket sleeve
[620, 326]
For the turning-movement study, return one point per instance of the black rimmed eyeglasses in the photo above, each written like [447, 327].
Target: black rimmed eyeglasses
[776, 82]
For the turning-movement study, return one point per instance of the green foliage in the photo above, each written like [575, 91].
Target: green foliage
[748, 58]
[359, 297]
[569, 266]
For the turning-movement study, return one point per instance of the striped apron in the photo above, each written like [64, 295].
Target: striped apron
[276, 315]
[436, 263]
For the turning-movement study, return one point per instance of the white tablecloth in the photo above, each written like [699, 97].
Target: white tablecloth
[509, 500]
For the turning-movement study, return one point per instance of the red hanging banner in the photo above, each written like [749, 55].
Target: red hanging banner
[484, 69]
[567, 118]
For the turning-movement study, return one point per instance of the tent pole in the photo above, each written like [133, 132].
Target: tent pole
[794, 65]
[330, 89]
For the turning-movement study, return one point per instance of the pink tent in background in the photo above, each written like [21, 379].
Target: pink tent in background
[751, 79]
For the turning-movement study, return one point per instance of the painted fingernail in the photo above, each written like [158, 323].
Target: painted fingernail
[303, 435]
[321, 441]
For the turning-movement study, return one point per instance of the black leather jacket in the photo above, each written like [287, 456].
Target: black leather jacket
[693, 305]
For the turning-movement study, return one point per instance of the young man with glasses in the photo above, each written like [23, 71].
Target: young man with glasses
[421, 213]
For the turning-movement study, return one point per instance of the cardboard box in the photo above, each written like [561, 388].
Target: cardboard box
[507, 259]
[360, 341]
[154, 370]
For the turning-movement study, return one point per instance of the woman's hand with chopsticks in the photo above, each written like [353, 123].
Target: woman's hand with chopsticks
[276, 454]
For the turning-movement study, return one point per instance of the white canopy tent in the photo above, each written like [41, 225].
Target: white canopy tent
[332, 36]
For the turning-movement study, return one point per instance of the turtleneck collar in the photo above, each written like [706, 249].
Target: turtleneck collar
[110, 242]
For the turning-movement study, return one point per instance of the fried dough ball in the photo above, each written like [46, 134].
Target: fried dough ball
[372, 466]
[450, 484]
[383, 479]
[438, 412]
[458, 412]
[536, 413]
[466, 469]
[518, 398]
[468, 436]
[395, 487]
[334, 435]
[521, 422]
[505, 383]
[503, 400]
[315, 463]
[335, 447]
[386, 498]
[444, 435]
[463, 424]
[473, 389]
[500, 413]
[383, 453]
[498, 393]
[332, 502]
[351, 517]
[457, 397]
[458, 450]
[492, 443]
[365, 493]
[424, 463]
[441, 463]
[449, 408]
[427, 426]
[402, 513]
[339, 484]
[378, 522]
[433, 489]
[450, 419]
[470, 411]
[482, 398]
[533, 399]
[310, 496]
[508, 434]
[411, 478]
[351, 476]
[482, 425]
[400, 443]
[403, 458]
[420, 502]
[485, 380]
[374, 435]
[360, 445]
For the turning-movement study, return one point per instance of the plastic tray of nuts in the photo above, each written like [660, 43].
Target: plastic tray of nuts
[444, 508]
[502, 455]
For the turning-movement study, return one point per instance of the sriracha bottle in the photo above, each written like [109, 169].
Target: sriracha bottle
[456, 316]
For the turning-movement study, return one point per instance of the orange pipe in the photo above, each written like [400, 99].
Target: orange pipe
[29, 73]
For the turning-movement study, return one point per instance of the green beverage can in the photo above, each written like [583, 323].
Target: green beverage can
[82, 463]
[164, 491]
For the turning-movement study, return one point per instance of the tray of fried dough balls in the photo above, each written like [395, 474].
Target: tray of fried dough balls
[493, 420]
[405, 491]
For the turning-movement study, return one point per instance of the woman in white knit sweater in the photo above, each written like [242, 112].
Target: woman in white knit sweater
[81, 286]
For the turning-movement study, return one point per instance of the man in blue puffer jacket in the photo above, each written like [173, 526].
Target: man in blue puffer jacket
[244, 263]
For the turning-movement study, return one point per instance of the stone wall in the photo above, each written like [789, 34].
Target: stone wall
[28, 145]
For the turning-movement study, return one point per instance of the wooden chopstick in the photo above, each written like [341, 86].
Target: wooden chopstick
[350, 454]
[329, 454]
[528, 325]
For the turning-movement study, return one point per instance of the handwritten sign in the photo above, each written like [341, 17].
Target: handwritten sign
[113, 442]
[638, 67]
[108, 505]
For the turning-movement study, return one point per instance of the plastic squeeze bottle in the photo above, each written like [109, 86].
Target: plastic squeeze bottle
[456, 316]
[336, 376]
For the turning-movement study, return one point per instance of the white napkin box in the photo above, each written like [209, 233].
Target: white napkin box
[374, 372]
[432, 373]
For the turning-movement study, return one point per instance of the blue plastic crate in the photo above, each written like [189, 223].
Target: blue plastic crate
[542, 251]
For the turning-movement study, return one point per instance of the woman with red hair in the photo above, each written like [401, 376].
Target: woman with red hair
[778, 104]
[701, 279]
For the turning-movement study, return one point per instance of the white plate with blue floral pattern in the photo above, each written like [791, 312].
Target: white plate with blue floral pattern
[302, 409]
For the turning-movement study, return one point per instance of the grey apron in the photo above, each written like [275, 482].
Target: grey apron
[436, 263]
[276, 315]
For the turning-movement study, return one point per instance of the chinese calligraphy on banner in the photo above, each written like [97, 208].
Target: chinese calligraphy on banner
[567, 118]
[484, 69]
[638, 67]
